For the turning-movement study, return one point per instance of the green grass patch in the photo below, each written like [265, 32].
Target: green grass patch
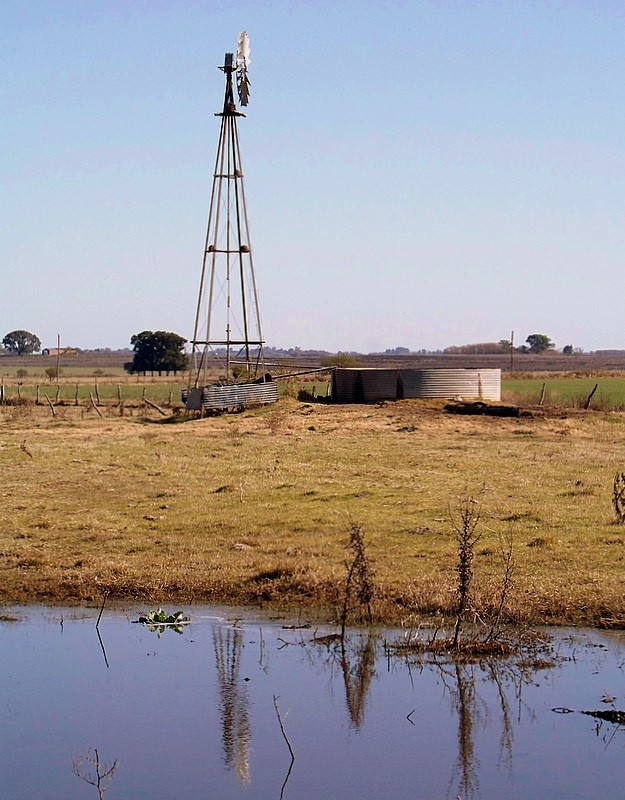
[566, 391]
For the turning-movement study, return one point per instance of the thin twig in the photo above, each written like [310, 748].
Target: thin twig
[288, 744]
[106, 661]
[286, 738]
[102, 774]
[106, 594]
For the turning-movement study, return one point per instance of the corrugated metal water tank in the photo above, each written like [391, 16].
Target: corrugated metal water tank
[379, 384]
[234, 395]
[483, 384]
[368, 385]
[344, 386]
[239, 395]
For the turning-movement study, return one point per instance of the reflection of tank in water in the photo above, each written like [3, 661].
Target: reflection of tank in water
[233, 700]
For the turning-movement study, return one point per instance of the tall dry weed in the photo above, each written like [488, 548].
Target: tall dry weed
[359, 581]
[465, 523]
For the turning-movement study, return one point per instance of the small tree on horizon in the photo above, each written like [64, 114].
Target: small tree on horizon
[21, 343]
[159, 351]
[539, 343]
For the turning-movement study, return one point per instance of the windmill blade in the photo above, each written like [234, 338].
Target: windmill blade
[243, 50]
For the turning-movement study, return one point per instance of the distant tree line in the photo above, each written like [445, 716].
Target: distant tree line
[164, 351]
[480, 348]
[535, 343]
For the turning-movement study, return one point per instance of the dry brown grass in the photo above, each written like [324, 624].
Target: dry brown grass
[256, 507]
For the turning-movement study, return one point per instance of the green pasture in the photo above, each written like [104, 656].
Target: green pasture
[559, 391]
[10, 372]
[569, 392]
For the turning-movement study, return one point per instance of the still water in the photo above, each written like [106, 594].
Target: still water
[211, 713]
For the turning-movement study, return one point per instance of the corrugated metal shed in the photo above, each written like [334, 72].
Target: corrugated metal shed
[369, 385]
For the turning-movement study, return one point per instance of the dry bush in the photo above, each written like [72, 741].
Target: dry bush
[618, 497]
[359, 585]
[465, 523]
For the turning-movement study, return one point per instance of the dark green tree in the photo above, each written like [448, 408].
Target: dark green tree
[21, 343]
[568, 349]
[158, 351]
[539, 343]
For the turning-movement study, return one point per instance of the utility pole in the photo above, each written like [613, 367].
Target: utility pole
[512, 351]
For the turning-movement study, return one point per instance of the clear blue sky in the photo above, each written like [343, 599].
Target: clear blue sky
[418, 174]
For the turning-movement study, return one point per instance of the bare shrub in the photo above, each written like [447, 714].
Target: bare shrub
[618, 497]
[359, 584]
[275, 420]
[20, 411]
[465, 523]
[507, 560]
[290, 388]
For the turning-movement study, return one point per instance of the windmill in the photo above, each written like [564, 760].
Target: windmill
[227, 319]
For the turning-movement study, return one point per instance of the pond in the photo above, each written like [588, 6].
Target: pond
[214, 711]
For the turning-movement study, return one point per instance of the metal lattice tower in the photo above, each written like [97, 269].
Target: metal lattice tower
[228, 315]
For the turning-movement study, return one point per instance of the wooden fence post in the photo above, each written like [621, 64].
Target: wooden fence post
[52, 409]
[150, 403]
[587, 405]
[94, 404]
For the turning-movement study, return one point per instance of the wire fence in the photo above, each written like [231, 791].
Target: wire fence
[89, 393]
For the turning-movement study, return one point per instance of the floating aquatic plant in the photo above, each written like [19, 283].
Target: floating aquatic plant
[158, 621]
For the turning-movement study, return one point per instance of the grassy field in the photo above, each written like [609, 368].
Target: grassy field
[257, 507]
[12, 372]
[560, 390]
[566, 390]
